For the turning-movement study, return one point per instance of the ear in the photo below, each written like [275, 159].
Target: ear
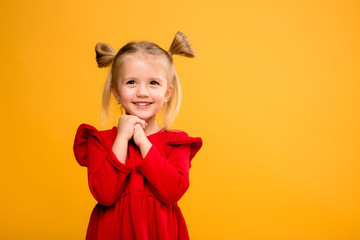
[168, 93]
[115, 92]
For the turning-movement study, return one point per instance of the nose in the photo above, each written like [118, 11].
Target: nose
[142, 91]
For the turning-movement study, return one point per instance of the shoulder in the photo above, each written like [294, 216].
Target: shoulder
[181, 137]
[178, 137]
[83, 133]
[85, 130]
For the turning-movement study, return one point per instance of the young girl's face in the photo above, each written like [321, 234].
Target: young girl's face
[143, 85]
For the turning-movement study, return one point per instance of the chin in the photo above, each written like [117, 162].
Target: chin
[145, 118]
[142, 116]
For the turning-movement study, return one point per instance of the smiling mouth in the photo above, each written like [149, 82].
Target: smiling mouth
[142, 103]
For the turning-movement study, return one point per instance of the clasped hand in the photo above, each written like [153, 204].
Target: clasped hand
[131, 126]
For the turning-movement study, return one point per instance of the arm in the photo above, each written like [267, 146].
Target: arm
[120, 147]
[106, 174]
[168, 177]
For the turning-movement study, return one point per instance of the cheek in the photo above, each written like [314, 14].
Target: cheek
[160, 95]
[125, 94]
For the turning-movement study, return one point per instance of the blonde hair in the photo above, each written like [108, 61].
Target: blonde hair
[106, 56]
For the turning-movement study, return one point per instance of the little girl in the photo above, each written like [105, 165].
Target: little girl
[138, 171]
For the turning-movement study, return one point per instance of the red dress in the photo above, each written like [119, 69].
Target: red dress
[136, 200]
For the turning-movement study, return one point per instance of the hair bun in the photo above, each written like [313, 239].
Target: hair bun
[181, 46]
[105, 54]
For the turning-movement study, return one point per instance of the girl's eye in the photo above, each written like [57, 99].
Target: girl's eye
[154, 83]
[131, 82]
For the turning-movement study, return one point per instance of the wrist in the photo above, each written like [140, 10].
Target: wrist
[144, 147]
[121, 139]
[144, 143]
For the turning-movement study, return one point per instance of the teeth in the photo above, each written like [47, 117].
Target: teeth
[142, 104]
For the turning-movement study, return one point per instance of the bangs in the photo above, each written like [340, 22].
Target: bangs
[142, 55]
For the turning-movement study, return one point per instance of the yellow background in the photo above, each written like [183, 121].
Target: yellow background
[273, 92]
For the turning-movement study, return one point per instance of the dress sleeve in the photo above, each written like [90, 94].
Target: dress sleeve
[168, 176]
[106, 174]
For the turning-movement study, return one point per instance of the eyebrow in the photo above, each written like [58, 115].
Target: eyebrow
[150, 78]
[128, 78]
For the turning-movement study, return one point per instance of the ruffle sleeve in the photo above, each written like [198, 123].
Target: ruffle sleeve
[106, 174]
[182, 138]
[81, 142]
[168, 175]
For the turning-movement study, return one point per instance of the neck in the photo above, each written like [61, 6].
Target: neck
[151, 127]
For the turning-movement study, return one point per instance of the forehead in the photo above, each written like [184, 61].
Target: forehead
[136, 61]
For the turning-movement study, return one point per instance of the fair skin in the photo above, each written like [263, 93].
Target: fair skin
[142, 90]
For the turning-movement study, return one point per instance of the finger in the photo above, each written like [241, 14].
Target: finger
[138, 127]
[143, 123]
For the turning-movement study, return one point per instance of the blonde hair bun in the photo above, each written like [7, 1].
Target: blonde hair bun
[181, 46]
[105, 54]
